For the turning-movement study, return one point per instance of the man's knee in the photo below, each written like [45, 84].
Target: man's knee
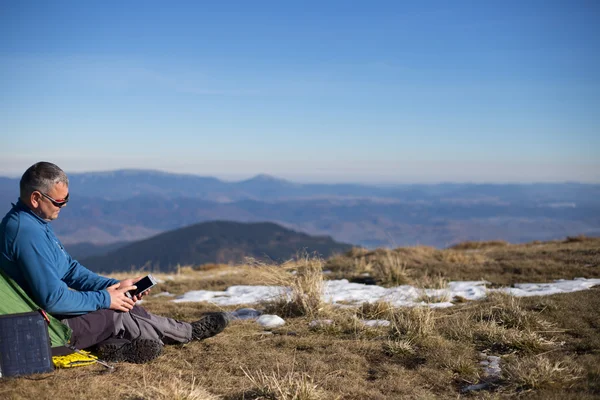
[140, 311]
[92, 328]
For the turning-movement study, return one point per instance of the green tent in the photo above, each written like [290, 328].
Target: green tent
[14, 300]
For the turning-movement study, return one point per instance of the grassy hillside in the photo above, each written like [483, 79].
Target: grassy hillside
[214, 242]
[549, 347]
[496, 262]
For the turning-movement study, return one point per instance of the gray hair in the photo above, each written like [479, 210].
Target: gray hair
[41, 176]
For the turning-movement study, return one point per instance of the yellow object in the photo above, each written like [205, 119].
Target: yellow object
[80, 359]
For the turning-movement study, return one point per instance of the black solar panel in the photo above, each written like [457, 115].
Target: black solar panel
[24, 344]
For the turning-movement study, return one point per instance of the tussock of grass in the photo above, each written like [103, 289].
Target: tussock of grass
[304, 278]
[399, 348]
[172, 388]
[506, 310]
[470, 245]
[436, 281]
[376, 310]
[210, 267]
[412, 323]
[346, 323]
[541, 373]
[500, 324]
[464, 366]
[390, 269]
[460, 257]
[501, 340]
[578, 239]
[280, 386]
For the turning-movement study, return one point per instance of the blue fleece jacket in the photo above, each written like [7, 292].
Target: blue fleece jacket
[32, 255]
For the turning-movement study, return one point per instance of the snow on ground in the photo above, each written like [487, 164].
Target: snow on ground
[543, 289]
[163, 294]
[241, 294]
[342, 291]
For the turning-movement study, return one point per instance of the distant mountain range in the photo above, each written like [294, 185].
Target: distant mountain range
[129, 205]
[213, 242]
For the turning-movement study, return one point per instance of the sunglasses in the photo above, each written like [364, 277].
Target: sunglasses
[56, 203]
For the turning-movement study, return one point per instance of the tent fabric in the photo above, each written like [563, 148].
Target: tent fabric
[14, 300]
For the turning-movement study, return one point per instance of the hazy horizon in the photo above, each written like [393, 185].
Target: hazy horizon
[242, 177]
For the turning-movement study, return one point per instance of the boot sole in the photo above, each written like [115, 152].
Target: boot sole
[209, 325]
[138, 352]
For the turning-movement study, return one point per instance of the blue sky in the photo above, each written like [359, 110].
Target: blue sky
[380, 92]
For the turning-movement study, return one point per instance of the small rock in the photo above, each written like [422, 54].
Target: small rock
[270, 321]
[245, 313]
[365, 280]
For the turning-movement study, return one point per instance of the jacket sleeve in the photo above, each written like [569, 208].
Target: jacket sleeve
[36, 259]
[80, 278]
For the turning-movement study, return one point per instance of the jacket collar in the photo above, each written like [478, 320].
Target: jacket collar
[23, 207]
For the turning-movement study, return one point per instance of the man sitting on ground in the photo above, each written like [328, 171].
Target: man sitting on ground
[98, 311]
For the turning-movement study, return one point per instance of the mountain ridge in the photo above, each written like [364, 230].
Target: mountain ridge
[214, 242]
[130, 205]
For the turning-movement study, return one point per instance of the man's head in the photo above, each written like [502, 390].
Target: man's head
[44, 189]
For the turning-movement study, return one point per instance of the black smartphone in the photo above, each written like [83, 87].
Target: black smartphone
[142, 285]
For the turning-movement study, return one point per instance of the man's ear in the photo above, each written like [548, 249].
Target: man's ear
[35, 199]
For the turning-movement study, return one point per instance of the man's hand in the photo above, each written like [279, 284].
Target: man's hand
[132, 281]
[118, 300]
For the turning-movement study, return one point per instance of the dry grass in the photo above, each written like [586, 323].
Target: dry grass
[549, 346]
[412, 323]
[429, 298]
[496, 262]
[541, 373]
[479, 245]
[433, 282]
[419, 356]
[304, 278]
[507, 311]
[279, 386]
[171, 388]
[501, 340]
[390, 269]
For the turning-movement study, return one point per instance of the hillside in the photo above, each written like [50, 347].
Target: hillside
[543, 347]
[214, 242]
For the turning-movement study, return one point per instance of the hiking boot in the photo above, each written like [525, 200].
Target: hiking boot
[209, 325]
[138, 351]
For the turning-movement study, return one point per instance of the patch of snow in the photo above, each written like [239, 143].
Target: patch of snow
[242, 294]
[319, 323]
[491, 367]
[163, 294]
[544, 289]
[375, 323]
[344, 293]
[270, 321]
[492, 372]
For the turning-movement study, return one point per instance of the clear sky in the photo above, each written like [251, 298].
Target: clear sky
[324, 91]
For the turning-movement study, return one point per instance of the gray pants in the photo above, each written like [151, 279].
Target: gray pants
[96, 327]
